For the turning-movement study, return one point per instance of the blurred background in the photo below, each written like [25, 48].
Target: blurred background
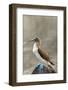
[44, 27]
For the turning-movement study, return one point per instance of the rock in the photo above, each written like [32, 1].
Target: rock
[41, 69]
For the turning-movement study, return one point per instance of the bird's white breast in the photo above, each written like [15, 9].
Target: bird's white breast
[35, 51]
[35, 48]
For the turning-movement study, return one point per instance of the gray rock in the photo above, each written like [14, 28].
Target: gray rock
[41, 69]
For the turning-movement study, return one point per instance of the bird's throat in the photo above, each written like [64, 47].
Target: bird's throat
[35, 47]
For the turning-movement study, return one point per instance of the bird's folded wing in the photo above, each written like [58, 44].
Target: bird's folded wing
[43, 54]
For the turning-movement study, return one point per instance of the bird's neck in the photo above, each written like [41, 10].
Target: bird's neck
[35, 47]
[37, 44]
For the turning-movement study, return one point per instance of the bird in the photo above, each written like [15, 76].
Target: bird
[40, 53]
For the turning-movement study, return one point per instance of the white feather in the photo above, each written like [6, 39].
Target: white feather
[39, 58]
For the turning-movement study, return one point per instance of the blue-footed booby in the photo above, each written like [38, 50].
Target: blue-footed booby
[40, 53]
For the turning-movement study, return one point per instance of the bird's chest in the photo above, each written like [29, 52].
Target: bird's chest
[35, 48]
[35, 51]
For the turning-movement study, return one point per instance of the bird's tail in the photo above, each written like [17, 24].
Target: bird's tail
[52, 63]
[52, 68]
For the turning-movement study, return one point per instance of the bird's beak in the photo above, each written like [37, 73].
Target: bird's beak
[29, 41]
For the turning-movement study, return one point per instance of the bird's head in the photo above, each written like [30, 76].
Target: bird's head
[35, 40]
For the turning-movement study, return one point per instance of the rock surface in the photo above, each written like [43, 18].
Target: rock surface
[41, 69]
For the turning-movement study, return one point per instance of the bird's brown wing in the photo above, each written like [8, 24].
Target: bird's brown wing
[44, 55]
